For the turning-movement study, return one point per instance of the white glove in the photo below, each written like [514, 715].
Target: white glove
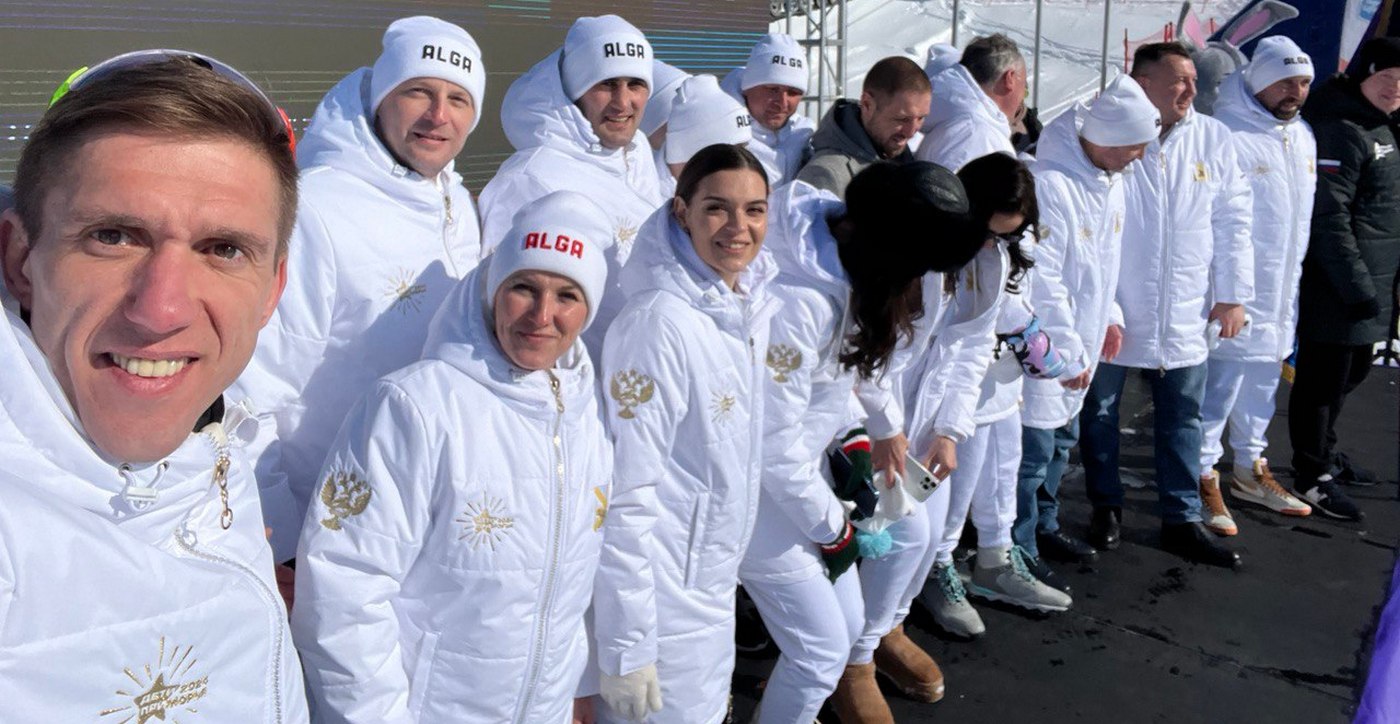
[632, 695]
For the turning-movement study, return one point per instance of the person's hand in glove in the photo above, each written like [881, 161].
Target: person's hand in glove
[633, 695]
[840, 554]
[1039, 358]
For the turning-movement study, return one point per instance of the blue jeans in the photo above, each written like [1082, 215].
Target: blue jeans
[1044, 455]
[1176, 421]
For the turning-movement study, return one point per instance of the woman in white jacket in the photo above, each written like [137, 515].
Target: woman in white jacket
[850, 284]
[448, 560]
[683, 367]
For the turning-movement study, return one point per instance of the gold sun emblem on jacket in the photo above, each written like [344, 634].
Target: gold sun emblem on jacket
[722, 407]
[783, 360]
[405, 292]
[345, 495]
[163, 689]
[631, 388]
[485, 523]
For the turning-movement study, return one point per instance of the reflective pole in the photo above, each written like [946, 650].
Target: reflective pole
[1035, 89]
[955, 23]
[1103, 59]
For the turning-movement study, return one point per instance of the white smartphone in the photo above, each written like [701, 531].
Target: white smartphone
[918, 481]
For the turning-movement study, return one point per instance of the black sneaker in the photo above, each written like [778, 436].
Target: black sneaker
[1347, 472]
[1326, 497]
[1045, 574]
[1057, 546]
[1194, 543]
[1105, 528]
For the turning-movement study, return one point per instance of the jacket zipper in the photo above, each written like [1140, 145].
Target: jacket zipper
[447, 227]
[1164, 322]
[276, 617]
[1291, 173]
[556, 538]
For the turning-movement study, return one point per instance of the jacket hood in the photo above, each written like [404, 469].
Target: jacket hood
[955, 93]
[1340, 98]
[665, 259]
[1059, 146]
[841, 132]
[1236, 106]
[537, 112]
[45, 446]
[461, 334]
[807, 247]
[341, 136]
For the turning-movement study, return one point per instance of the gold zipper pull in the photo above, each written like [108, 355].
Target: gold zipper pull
[554, 387]
[221, 479]
[447, 201]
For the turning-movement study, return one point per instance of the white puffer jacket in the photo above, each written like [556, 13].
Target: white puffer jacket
[1280, 160]
[445, 569]
[782, 151]
[375, 250]
[556, 149]
[964, 123]
[1186, 244]
[684, 372]
[116, 605]
[1077, 258]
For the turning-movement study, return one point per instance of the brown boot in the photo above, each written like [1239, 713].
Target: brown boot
[909, 667]
[857, 699]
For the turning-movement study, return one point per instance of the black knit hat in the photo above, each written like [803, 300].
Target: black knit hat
[918, 212]
[1376, 55]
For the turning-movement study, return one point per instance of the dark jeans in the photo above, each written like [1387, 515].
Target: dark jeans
[1325, 375]
[1176, 422]
[1044, 455]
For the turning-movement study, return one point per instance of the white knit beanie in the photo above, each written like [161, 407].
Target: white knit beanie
[1275, 58]
[1121, 116]
[426, 47]
[941, 56]
[703, 116]
[564, 233]
[776, 59]
[603, 47]
[667, 78]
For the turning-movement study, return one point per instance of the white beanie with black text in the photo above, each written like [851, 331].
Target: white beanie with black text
[1275, 58]
[426, 47]
[704, 115]
[603, 47]
[776, 59]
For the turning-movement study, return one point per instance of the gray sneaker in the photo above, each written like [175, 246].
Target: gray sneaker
[947, 600]
[1013, 583]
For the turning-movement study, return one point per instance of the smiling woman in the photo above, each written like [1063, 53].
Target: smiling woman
[681, 368]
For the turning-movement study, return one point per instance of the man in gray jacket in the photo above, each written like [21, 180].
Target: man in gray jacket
[893, 104]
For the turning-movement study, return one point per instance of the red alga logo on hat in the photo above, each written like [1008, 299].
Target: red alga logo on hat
[558, 242]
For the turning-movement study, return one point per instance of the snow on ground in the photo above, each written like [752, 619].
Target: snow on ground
[1071, 35]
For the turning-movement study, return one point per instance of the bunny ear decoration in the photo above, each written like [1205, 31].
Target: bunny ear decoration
[1256, 20]
[1189, 28]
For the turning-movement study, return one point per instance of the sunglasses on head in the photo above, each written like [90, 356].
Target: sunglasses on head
[86, 76]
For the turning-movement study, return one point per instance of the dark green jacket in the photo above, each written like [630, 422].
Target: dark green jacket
[1345, 293]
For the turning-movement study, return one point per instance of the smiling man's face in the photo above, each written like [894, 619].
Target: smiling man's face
[614, 108]
[154, 267]
[425, 122]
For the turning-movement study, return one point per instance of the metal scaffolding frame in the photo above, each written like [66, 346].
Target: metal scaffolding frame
[821, 30]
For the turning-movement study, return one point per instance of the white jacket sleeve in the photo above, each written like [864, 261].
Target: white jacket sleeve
[646, 383]
[290, 348]
[1049, 295]
[503, 197]
[884, 415]
[966, 355]
[959, 142]
[1232, 263]
[362, 535]
[794, 460]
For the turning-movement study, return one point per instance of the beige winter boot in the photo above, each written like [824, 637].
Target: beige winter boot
[909, 667]
[857, 699]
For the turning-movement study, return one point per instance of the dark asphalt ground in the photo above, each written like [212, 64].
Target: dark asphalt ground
[1154, 639]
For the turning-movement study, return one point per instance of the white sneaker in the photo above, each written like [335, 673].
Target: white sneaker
[1258, 486]
[1013, 583]
[947, 600]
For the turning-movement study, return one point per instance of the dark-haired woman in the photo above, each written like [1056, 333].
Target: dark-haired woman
[850, 285]
[1002, 192]
[683, 372]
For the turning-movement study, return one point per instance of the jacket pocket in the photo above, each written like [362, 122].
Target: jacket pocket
[422, 674]
[699, 517]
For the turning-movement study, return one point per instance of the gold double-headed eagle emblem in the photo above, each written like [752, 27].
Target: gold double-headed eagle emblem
[345, 495]
[631, 388]
[783, 360]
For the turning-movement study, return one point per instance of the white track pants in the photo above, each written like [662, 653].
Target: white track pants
[891, 583]
[984, 485]
[813, 622]
[1241, 393]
